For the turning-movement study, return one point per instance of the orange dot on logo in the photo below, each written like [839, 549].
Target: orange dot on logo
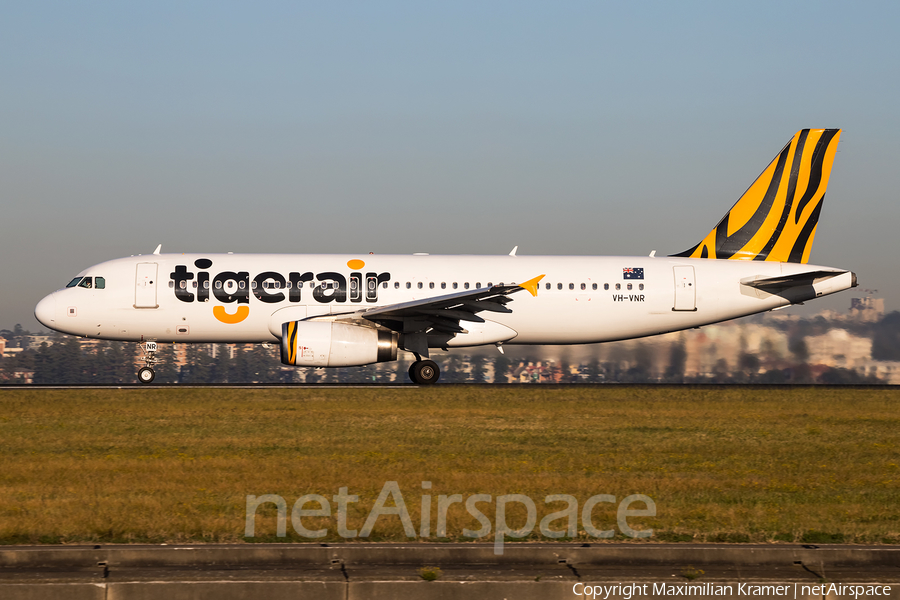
[355, 264]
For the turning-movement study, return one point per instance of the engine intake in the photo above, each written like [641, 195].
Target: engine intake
[330, 344]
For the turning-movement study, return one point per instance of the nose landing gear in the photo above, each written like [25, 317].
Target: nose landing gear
[424, 372]
[147, 374]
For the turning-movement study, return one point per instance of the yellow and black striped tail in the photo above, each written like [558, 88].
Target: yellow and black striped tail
[776, 218]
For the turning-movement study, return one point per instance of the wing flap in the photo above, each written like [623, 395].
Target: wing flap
[451, 313]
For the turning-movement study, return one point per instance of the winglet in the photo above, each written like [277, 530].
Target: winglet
[513, 253]
[532, 284]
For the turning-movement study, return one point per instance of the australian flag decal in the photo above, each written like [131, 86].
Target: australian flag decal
[633, 273]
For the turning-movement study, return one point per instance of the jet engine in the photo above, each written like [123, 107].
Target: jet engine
[330, 344]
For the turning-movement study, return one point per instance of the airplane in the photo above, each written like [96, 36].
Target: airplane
[353, 310]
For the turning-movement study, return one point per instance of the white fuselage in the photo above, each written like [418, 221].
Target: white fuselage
[580, 299]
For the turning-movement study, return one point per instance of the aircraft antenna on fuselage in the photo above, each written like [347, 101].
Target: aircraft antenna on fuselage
[158, 249]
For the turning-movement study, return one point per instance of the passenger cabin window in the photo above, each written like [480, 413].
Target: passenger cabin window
[478, 284]
[455, 285]
[618, 286]
[593, 286]
[443, 285]
[171, 284]
[408, 285]
[74, 282]
[559, 286]
[431, 285]
[549, 285]
[640, 286]
[605, 286]
[396, 285]
[629, 286]
[466, 285]
[420, 285]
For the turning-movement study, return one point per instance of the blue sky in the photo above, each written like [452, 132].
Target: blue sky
[564, 128]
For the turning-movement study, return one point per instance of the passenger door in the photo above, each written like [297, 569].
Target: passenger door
[685, 289]
[145, 286]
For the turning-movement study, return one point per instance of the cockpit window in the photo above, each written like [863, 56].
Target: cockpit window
[88, 282]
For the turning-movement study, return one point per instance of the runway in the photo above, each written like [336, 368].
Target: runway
[523, 571]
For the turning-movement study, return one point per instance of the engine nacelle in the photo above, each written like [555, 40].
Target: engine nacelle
[330, 344]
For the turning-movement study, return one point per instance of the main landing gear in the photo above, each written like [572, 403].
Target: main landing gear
[147, 374]
[424, 372]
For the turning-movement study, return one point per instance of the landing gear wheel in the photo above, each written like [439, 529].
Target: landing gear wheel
[146, 375]
[425, 372]
[412, 372]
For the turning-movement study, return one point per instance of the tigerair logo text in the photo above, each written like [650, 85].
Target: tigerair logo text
[272, 287]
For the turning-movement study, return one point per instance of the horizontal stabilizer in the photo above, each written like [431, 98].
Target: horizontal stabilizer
[788, 281]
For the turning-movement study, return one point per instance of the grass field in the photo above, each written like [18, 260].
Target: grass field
[721, 463]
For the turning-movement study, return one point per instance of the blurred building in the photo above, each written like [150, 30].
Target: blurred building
[840, 349]
[867, 310]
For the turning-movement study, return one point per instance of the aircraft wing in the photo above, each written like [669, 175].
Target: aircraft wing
[444, 313]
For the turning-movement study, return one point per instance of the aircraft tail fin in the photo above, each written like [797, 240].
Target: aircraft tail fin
[776, 218]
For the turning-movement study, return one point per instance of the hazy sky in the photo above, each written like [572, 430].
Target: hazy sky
[463, 127]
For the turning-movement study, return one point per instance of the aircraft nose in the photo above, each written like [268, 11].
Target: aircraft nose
[45, 311]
